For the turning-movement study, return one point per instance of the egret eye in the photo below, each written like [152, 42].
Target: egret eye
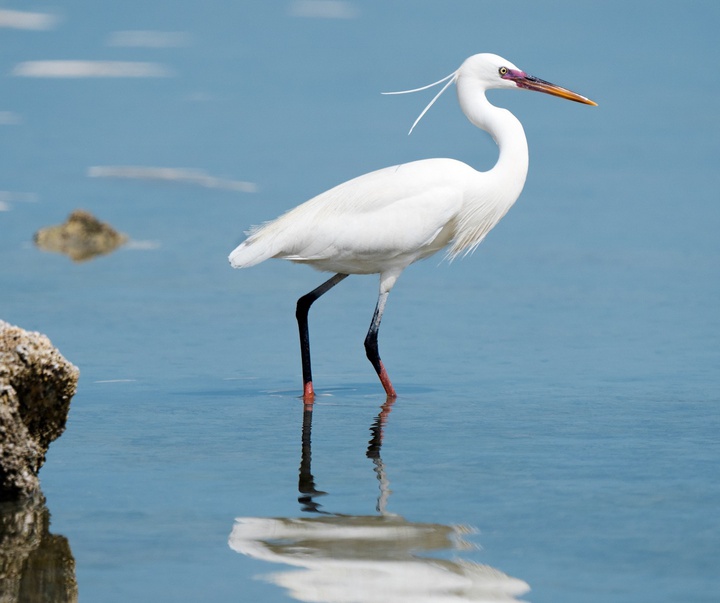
[502, 71]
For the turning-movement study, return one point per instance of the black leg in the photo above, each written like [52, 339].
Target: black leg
[301, 313]
[371, 346]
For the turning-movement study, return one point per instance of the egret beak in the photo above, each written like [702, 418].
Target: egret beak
[529, 82]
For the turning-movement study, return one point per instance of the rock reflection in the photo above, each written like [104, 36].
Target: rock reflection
[371, 558]
[35, 565]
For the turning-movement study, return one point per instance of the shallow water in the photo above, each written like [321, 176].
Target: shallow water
[557, 423]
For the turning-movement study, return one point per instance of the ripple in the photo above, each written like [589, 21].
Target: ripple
[83, 69]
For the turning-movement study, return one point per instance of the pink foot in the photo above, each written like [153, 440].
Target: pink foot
[385, 380]
[308, 393]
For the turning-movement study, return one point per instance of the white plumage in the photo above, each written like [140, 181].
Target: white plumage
[382, 222]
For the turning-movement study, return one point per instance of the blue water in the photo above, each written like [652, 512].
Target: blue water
[559, 389]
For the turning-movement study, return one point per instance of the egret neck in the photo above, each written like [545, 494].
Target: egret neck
[489, 195]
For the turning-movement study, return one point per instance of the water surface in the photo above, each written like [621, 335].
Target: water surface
[557, 423]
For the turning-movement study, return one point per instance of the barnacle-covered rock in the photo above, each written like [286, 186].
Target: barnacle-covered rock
[36, 386]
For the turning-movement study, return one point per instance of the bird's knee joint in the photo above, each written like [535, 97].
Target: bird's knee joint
[303, 306]
[371, 348]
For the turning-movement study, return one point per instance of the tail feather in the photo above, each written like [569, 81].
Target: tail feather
[249, 253]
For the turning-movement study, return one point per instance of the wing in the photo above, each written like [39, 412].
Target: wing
[396, 212]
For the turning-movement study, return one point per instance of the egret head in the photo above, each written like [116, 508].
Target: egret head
[489, 70]
[492, 71]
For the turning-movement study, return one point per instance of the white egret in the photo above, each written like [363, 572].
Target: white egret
[382, 222]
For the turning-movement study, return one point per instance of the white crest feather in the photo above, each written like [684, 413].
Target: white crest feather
[449, 79]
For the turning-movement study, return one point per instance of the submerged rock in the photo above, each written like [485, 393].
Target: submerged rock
[36, 386]
[82, 237]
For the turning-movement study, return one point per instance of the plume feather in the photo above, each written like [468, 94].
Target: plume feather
[448, 79]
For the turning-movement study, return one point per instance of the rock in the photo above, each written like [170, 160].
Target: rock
[35, 565]
[82, 237]
[36, 386]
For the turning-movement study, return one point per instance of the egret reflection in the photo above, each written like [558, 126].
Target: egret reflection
[366, 558]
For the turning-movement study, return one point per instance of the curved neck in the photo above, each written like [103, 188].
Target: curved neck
[507, 132]
[489, 195]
